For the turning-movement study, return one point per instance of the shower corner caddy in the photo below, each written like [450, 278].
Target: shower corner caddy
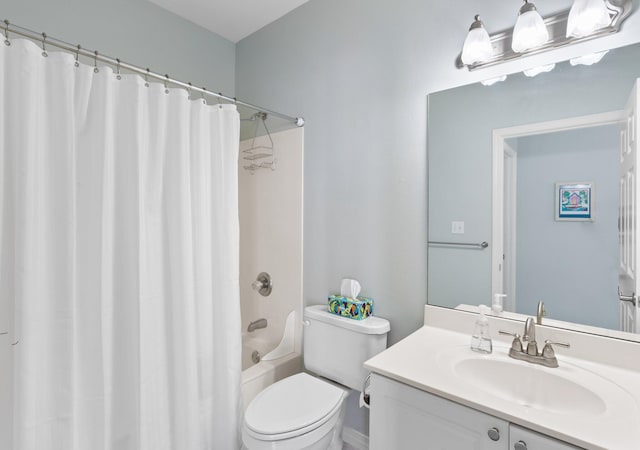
[260, 156]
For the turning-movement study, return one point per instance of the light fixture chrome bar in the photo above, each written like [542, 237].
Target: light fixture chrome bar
[115, 62]
[557, 26]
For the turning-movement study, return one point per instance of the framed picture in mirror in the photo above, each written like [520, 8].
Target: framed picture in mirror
[574, 201]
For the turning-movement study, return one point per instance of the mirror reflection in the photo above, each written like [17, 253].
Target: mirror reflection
[533, 167]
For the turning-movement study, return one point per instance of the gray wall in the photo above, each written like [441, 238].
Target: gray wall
[339, 65]
[136, 31]
[359, 72]
[571, 266]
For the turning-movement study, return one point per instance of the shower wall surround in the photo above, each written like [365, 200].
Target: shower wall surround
[271, 236]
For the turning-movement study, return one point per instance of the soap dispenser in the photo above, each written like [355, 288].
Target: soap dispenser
[481, 338]
[498, 303]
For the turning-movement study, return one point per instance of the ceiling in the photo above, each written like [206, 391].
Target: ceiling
[231, 19]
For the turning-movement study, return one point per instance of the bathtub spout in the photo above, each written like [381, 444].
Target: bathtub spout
[256, 325]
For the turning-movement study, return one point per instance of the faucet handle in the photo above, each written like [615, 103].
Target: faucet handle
[548, 352]
[516, 345]
[509, 333]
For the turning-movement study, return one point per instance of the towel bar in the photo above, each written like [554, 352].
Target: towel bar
[481, 245]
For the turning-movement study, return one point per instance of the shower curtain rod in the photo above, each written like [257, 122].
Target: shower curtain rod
[77, 50]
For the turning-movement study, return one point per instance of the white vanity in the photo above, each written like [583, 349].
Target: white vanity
[430, 391]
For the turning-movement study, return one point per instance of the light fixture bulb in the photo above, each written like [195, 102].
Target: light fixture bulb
[530, 31]
[586, 17]
[477, 45]
[588, 60]
[492, 81]
[538, 70]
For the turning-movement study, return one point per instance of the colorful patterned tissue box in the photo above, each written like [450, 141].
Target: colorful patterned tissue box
[357, 309]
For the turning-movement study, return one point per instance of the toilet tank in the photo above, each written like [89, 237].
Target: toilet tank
[335, 347]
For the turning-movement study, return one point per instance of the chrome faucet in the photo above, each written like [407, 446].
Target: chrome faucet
[529, 337]
[256, 325]
[530, 353]
[540, 313]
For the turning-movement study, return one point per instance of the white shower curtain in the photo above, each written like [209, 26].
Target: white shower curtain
[119, 252]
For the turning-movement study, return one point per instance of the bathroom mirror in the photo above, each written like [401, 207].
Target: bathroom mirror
[561, 128]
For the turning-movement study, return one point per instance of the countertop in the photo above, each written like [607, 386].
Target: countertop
[418, 359]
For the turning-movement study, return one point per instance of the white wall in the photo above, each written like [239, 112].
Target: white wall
[271, 235]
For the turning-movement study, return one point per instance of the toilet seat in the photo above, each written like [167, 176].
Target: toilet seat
[292, 407]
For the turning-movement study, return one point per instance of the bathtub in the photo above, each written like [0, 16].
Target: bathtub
[276, 362]
[256, 377]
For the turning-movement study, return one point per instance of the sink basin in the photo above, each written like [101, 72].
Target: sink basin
[529, 386]
[568, 390]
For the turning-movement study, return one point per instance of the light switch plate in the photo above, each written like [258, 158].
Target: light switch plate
[457, 227]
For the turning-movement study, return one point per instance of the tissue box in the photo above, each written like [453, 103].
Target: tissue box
[357, 309]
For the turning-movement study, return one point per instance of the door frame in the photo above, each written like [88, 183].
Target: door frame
[509, 214]
[499, 136]
[628, 276]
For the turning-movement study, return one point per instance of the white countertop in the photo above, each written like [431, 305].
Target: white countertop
[417, 361]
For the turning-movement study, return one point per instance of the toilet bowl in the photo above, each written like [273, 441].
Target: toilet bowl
[305, 412]
[300, 412]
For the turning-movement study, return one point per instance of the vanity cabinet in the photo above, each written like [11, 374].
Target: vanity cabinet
[403, 417]
[524, 439]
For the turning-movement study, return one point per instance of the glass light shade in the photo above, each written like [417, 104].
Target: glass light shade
[587, 16]
[477, 46]
[538, 70]
[492, 81]
[588, 60]
[529, 32]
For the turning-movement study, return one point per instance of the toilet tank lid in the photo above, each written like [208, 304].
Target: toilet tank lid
[370, 325]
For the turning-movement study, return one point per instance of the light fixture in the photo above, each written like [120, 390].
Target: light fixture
[532, 34]
[587, 16]
[588, 60]
[477, 45]
[492, 81]
[538, 70]
[530, 30]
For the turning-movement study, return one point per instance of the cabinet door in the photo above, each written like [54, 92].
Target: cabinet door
[523, 439]
[403, 417]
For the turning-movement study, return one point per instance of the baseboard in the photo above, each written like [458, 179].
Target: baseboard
[355, 439]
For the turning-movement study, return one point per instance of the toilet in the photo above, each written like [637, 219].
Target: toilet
[305, 412]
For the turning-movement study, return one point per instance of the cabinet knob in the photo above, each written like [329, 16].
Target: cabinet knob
[494, 434]
[520, 445]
